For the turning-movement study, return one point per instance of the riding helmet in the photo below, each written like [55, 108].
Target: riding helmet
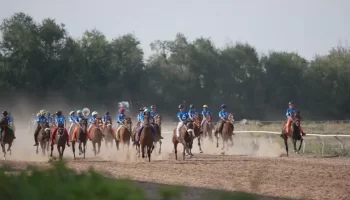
[106, 113]
[121, 110]
[141, 109]
[181, 106]
[291, 103]
[79, 112]
[5, 113]
[71, 113]
[59, 113]
[192, 106]
[153, 106]
[223, 106]
[205, 106]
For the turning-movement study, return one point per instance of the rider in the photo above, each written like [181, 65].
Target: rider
[147, 112]
[153, 112]
[205, 112]
[72, 120]
[11, 123]
[92, 120]
[121, 117]
[140, 117]
[4, 123]
[106, 118]
[192, 112]
[60, 122]
[289, 113]
[223, 114]
[79, 117]
[41, 119]
[183, 117]
[49, 118]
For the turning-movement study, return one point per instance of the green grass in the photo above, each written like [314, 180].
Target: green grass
[62, 183]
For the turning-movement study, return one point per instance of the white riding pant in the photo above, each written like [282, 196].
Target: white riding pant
[203, 120]
[179, 125]
[90, 126]
[70, 127]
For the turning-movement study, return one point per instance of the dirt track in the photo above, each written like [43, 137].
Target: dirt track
[294, 177]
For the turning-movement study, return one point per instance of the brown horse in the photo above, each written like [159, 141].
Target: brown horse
[79, 135]
[208, 127]
[296, 133]
[197, 129]
[96, 135]
[158, 137]
[146, 139]
[186, 139]
[61, 141]
[44, 138]
[108, 133]
[226, 133]
[6, 138]
[124, 133]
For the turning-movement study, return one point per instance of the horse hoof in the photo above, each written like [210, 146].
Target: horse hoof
[200, 151]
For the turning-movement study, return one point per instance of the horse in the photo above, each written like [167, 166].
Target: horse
[60, 140]
[80, 135]
[197, 120]
[96, 135]
[6, 138]
[208, 127]
[186, 139]
[146, 139]
[296, 133]
[124, 133]
[226, 133]
[158, 137]
[44, 137]
[108, 134]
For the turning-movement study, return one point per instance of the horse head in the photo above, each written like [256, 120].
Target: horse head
[190, 127]
[197, 119]
[231, 118]
[158, 120]
[83, 124]
[208, 118]
[60, 131]
[128, 123]
[109, 124]
[146, 120]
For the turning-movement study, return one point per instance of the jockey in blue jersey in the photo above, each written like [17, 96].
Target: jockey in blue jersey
[192, 112]
[49, 118]
[148, 113]
[92, 120]
[140, 117]
[79, 116]
[41, 119]
[72, 119]
[60, 122]
[106, 118]
[183, 117]
[205, 112]
[121, 117]
[10, 123]
[289, 114]
[153, 112]
[223, 115]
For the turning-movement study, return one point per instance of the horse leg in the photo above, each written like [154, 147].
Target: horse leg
[286, 143]
[37, 149]
[160, 146]
[117, 144]
[62, 150]
[183, 152]
[301, 142]
[94, 147]
[73, 149]
[52, 150]
[175, 149]
[80, 149]
[3, 149]
[84, 146]
[295, 145]
[143, 151]
[199, 144]
[99, 147]
[149, 151]
[43, 148]
[217, 141]
[9, 148]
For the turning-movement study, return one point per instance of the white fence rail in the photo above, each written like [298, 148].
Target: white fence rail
[319, 136]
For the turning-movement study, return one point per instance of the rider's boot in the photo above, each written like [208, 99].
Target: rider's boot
[36, 140]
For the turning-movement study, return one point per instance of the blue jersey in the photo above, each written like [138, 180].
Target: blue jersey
[60, 121]
[72, 119]
[206, 112]
[9, 119]
[191, 113]
[92, 120]
[42, 119]
[183, 116]
[153, 114]
[223, 114]
[120, 118]
[106, 118]
[50, 119]
[140, 117]
[78, 118]
[290, 111]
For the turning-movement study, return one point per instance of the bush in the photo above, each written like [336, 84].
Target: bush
[62, 183]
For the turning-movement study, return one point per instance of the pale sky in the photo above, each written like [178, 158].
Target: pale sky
[304, 26]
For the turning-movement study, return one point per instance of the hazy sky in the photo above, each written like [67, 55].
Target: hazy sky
[304, 26]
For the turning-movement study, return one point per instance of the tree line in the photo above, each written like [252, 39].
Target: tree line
[40, 60]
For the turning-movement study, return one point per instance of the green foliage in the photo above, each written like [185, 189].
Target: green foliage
[41, 59]
[62, 183]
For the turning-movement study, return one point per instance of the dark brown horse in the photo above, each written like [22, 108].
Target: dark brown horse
[186, 139]
[124, 133]
[296, 133]
[226, 133]
[80, 135]
[60, 140]
[208, 127]
[44, 138]
[108, 133]
[158, 137]
[198, 129]
[146, 139]
[6, 138]
[96, 135]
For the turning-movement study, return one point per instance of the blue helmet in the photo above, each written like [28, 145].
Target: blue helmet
[146, 110]
[223, 106]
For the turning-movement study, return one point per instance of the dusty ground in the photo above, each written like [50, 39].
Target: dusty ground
[244, 168]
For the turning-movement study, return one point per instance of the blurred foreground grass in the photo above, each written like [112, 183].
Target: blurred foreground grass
[62, 183]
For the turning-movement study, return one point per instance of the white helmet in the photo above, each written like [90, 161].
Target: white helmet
[94, 113]
[71, 113]
[38, 114]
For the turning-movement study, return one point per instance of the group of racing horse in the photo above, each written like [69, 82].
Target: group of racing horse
[145, 135]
